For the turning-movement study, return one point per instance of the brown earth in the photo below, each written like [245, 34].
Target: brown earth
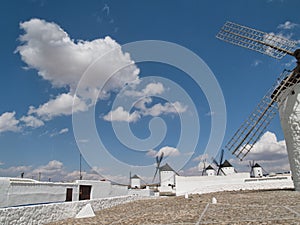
[242, 207]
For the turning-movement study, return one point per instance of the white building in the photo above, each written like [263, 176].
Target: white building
[167, 176]
[22, 191]
[210, 171]
[135, 182]
[257, 170]
[227, 169]
[167, 179]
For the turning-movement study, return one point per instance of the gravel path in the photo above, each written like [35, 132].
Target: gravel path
[244, 207]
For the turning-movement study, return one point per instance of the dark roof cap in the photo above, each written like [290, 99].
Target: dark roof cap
[135, 176]
[226, 164]
[209, 168]
[256, 165]
[166, 167]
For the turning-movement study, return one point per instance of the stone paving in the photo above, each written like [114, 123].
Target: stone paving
[243, 207]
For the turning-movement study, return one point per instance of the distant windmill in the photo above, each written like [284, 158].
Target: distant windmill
[220, 163]
[256, 169]
[158, 162]
[204, 167]
[251, 165]
[252, 129]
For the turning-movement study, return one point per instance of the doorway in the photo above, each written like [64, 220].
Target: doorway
[85, 192]
[69, 194]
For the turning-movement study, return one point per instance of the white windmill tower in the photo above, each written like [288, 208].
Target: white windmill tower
[135, 181]
[256, 169]
[224, 167]
[283, 96]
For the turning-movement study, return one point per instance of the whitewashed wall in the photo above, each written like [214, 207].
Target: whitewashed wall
[14, 192]
[103, 189]
[141, 192]
[17, 191]
[289, 110]
[166, 178]
[135, 182]
[46, 213]
[239, 181]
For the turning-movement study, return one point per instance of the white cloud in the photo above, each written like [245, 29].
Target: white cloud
[8, 122]
[268, 148]
[121, 115]
[56, 133]
[200, 158]
[167, 150]
[14, 171]
[56, 171]
[31, 121]
[142, 103]
[270, 153]
[64, 130]
[288, 25]
[1, 163]
[150, 90]
[59, 59]
[166, 108]
[63, 104]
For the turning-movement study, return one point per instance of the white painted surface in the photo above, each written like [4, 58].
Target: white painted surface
[163, 189]
[85, 212]
[43, 214]
[210, 172]
[17, 191]
[257, 172]
[167, 178]
[289, 110]
[14, 192]
[237, 181]
[227, 171]
[102, 189]
[135, 183]
[141, 192]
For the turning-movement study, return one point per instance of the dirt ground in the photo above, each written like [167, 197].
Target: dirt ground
[242, 207]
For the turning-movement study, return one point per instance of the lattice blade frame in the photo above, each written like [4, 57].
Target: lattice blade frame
[253, 128]
[265, 43]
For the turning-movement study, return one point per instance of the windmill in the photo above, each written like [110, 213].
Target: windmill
[251, 165]
[204, 167]
[158, 162]
[256, 169]
[220, 163]
[277, 98]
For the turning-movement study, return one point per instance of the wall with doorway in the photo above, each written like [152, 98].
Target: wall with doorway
[17, 191]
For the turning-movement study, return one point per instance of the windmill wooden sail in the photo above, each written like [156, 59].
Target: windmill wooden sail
[253, 128]
[284, 95]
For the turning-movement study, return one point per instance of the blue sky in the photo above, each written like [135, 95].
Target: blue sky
[47, 46]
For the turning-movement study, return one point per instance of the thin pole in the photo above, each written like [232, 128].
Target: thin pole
[80, 176]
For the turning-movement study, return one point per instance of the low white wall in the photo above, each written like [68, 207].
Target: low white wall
[104, 189]
[141, 192]
[239, 181]
[46, 213]
[14, 192]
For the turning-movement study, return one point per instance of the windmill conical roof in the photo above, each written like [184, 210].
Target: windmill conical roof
[135, 177]
[226, 164]
[166, 167]
[256, 165]
[209, 168]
